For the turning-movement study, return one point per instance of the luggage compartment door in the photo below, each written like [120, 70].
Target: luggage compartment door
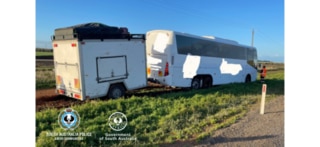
[111, 68]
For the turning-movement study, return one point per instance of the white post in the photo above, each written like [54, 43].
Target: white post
[263, 98]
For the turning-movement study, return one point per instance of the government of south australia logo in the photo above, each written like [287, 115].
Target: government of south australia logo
[117, 121]
[69, 119]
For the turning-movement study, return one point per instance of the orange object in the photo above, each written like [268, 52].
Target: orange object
[58, 80]
[76, 83]
[148, 71]
[166, 70]
[263, 72]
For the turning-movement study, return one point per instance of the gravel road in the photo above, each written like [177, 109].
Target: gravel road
[253, 130]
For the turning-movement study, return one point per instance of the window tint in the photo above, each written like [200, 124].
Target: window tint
[194, 46]
[251, 56]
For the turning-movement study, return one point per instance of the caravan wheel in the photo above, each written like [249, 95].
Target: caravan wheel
[116, 91]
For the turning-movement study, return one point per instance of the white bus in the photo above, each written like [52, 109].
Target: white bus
[184, 60]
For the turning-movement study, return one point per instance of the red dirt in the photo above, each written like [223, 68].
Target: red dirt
[47, 98]
[45, 93]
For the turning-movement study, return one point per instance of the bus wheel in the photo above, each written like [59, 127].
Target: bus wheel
[248, 79]
[116, 91]
[195, 84]
[207, 82]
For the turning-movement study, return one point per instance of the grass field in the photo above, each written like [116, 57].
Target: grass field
[38, 53]
[188, 115]
[44, 73]
[45, 78]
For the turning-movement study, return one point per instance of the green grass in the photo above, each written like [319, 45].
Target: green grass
[45, 78]
[38, 53]
[188, 115]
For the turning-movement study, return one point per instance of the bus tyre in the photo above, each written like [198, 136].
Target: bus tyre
[207, 82]
[248, 79]
[116, 91]
[195, 84]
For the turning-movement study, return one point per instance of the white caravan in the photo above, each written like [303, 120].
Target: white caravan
[89, 66]
[184, 60]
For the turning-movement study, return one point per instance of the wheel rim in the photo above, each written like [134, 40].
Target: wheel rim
[195, 84]
[116, 93]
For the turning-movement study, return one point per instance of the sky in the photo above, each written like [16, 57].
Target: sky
[229, 19]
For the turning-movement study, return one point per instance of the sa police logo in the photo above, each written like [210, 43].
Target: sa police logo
[118, 121]
[69, 119]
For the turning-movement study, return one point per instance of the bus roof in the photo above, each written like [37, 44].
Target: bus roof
[211, 38]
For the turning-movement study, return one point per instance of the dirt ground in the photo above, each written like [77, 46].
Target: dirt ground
[47, 98]
[45, 93]
[254, 130]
